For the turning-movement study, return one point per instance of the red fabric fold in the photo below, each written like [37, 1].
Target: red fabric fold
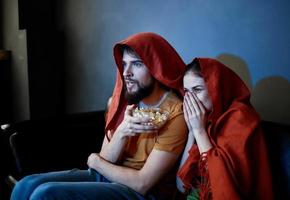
[190, 168]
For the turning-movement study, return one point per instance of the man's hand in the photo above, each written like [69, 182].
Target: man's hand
[93, 160]
[132, 126]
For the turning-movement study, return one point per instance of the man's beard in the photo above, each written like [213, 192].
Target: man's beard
[142, 92]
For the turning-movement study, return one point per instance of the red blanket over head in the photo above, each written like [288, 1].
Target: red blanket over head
[159, 56]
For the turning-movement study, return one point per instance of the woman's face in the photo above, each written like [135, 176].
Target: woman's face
[196, 84]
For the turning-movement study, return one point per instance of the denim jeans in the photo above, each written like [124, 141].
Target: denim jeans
[72, 184]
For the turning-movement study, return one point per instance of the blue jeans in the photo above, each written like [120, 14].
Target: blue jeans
[72, 184]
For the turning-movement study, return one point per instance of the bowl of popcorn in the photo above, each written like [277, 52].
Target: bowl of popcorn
[158, 116]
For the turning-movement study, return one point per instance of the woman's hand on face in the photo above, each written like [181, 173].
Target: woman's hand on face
[194, 112]
[132, 126]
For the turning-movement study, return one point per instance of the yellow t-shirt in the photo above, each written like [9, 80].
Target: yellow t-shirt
[171, 137]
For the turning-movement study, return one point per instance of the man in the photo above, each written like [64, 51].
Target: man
[137, 159]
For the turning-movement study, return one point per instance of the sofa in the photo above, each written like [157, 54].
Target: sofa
[65, 142]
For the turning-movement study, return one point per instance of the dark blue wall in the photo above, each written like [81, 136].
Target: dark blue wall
[251, 37]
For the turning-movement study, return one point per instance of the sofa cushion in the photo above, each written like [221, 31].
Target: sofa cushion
[278, 144]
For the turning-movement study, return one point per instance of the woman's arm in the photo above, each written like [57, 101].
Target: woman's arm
[195, 118]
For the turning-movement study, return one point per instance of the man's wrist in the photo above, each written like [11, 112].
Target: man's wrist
[98, 160]
[121, 135]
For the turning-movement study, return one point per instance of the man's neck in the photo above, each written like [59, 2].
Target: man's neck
[155, 96]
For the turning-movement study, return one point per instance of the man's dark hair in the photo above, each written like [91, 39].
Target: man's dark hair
[129, 50]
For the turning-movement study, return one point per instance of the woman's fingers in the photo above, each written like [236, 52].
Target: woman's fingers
[189, 106]
[186, 110]
[195, 111]
[193, 103]
[199, 103]
[196, 103]
[186, 115]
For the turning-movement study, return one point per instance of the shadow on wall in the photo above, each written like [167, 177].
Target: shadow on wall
[239, 66]
[270, 96]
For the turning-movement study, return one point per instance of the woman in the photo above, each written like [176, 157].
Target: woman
[225, 156]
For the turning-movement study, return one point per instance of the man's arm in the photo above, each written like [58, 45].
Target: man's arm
[112, 152]
[113, 149]
[157, 165]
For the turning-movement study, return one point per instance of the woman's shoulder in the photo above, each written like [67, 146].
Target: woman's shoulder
[240, 118]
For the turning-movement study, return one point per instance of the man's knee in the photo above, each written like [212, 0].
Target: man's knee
[24, 187]
[46, 191]
[26, 182]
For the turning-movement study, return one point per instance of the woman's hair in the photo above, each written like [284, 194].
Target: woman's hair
[194, 68]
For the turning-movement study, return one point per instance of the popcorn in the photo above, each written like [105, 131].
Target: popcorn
[158, 117]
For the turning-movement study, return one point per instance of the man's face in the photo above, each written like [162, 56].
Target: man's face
[138, 81]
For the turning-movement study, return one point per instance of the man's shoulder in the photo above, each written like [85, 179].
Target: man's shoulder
[173, 104]
[172, 100]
